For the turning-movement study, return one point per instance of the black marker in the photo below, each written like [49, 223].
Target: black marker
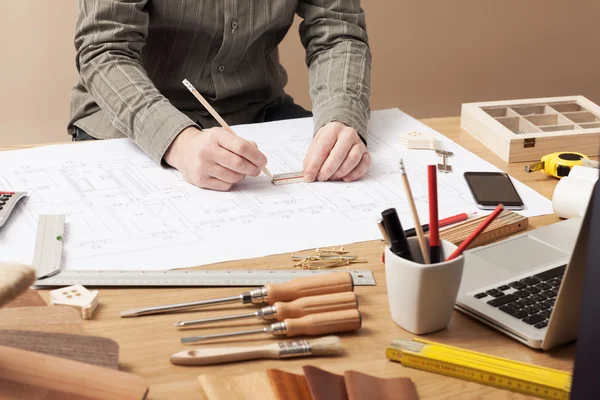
[398, 242]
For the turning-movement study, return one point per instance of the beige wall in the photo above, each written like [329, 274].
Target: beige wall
[429, 56]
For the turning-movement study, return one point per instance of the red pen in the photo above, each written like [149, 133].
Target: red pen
[434, 227]
[463, 246]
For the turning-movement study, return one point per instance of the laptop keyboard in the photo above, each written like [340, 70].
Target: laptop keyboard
[530, 299]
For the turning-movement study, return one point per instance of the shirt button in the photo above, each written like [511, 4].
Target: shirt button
[221, 68]
[234, 24]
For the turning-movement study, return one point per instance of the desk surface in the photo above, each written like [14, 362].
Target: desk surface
[146, 343]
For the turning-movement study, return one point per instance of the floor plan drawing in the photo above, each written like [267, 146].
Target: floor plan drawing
[125, 212]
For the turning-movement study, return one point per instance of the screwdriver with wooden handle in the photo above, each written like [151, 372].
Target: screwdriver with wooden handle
[271, 293]
[310, 325]
[295, 309]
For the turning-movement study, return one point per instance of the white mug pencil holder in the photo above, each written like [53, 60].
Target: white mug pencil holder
[422, 296]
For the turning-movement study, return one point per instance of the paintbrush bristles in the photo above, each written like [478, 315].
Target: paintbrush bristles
[326, 346]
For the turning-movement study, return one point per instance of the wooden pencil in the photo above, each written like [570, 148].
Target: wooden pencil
[413, 210]
[216, 115]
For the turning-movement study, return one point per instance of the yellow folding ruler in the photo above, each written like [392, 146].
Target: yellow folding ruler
[481, 368]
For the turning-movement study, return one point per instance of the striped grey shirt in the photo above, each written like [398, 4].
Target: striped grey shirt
[133, 54]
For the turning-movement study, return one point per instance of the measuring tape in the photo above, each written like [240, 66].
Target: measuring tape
[558, 164]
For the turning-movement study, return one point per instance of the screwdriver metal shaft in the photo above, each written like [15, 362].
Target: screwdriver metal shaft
[313, 324]
[295, 309]
[268, 294]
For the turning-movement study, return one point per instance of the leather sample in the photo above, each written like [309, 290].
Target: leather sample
[288, 386]
[324, 385]
[365, 387]
[88, 349]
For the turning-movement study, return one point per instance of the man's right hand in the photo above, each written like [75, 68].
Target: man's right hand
[215, 158]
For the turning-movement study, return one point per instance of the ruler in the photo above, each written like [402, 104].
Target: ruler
[189, 278]
[48, 253]
[481, 368]
[48, 244]
[285, 179]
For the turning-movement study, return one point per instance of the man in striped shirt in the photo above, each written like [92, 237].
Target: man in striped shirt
[133, 54]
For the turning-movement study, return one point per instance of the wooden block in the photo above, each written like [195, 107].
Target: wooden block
[528, 129]
[95, 350]
[64, 379]
[44, 319]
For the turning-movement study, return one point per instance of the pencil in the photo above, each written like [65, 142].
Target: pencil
[434, 228]
[476, 232]
[413, 210]
[215, 115]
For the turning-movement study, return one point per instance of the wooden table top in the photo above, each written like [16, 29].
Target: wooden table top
[146, 343]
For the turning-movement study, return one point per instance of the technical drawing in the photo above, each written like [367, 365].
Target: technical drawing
[124, 211]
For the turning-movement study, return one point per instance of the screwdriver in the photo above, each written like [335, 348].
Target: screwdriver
[269, 294]
[311, 325]
[295, 309]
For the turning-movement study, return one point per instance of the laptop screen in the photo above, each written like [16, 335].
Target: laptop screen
[586, 384]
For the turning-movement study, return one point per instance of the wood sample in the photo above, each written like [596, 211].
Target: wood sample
[88, 349]
[526, 130]
[288, 386]
[40, 376]
[29, 298]
[365, 387]
[249, 386]
[44, 319]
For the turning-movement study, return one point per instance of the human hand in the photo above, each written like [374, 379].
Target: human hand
[215, 158]
[336, 152]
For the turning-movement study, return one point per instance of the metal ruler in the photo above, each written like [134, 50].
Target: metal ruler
[190, 278]
[48, 253]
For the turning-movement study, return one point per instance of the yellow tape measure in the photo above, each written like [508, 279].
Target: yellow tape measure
[558, 164]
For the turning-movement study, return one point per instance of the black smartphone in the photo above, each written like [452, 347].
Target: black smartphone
[492, 188]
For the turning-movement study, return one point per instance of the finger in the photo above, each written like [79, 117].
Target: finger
[232, 161]
[361, 169]
[215, 184]
[336, 157]
[353, 158]
[317, 154]
[224, 174]
[243, 148]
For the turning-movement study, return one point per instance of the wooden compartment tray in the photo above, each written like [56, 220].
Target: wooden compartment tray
[526, 130]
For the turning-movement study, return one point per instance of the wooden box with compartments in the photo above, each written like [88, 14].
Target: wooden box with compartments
[526, 130]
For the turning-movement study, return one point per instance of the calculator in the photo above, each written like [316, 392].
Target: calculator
[8, 201]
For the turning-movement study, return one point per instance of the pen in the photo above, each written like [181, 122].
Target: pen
[434, 229]
[442, 223]
[398, 242]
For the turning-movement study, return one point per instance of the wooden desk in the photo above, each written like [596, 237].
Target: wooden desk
[146, 343]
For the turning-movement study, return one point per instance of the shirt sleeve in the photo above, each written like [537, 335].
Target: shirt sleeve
[109, 40]
[338, 57]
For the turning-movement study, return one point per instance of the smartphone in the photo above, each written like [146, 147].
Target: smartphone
[492, 188]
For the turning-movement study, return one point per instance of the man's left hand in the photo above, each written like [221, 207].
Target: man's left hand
[336, 153]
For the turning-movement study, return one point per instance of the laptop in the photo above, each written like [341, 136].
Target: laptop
[529, 286]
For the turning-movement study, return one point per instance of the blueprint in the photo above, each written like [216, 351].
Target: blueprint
[124, 212]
